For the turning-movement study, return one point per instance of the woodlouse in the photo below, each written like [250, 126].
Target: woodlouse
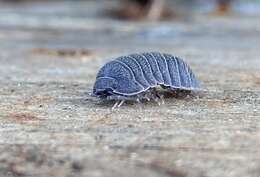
[134, 77]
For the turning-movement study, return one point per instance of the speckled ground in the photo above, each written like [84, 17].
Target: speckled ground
[50, 126]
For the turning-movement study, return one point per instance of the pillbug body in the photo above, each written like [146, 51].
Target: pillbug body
[134, 77]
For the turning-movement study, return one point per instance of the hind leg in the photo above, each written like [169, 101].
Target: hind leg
[180, 93]
[153, 94]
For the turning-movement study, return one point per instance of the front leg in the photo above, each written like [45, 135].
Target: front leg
[120, 99]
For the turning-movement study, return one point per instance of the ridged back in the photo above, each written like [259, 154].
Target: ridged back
[147, 70]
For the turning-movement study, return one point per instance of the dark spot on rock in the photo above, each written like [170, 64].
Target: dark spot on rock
[169, 170]
[33, 155]
[66, 108]
[77, 166]
[130, 126]
[61, 161]
[41, 84]
[99, 137]
[26, 102]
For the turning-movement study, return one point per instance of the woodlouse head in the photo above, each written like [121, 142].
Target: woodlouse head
[104, 86]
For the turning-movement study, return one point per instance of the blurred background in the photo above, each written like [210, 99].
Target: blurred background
[86, 22]
[108, 28]
[86, 29]
[77, 14]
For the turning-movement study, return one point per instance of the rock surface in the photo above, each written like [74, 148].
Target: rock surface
[50, 126]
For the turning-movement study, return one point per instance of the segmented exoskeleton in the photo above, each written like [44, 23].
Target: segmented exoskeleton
[134, 77]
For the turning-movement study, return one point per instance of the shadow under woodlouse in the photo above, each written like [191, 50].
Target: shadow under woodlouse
[163, 95]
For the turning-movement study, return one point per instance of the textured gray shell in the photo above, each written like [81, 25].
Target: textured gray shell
[136, 73]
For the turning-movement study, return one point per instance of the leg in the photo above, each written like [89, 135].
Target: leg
[121, 103]
[115, 105]
[158, 98]
[118, 104]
